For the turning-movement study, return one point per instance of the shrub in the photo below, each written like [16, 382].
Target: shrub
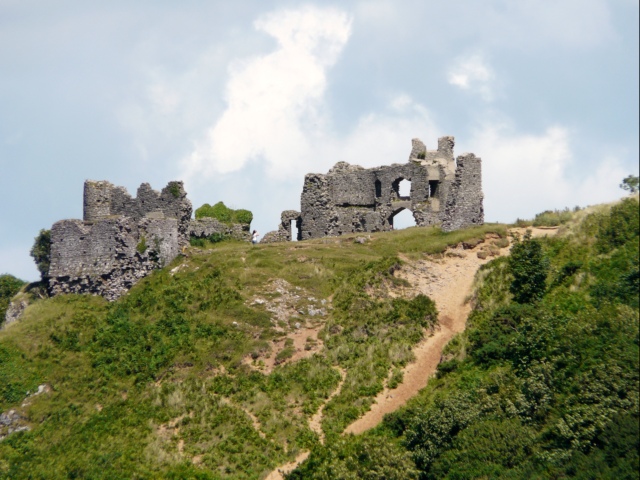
[174, 189]
[142, 245]
[9, 286]
[552, 218]
[620, 226]
[529, 267]
[224, 214]
[630, 183]
[202, 242]
[244, 216]
[358, 458]
[41, 252]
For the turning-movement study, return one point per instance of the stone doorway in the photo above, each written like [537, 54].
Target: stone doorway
[403, 218]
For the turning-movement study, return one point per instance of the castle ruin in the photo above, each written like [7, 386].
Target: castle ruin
[350, 198]
[120, 239]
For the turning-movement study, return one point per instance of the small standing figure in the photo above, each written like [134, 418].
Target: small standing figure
[254, 237]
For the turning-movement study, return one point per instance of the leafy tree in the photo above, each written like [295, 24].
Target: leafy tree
[41, 252]
[529, 267]
[631, 183]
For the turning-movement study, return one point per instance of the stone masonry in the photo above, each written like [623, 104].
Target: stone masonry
[205, 227]
[120, 239]
[350, 198]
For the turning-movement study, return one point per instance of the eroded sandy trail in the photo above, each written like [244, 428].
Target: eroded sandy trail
[448, 282]
[282, 470]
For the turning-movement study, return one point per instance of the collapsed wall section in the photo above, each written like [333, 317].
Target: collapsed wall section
[205, 227]
[108, 257]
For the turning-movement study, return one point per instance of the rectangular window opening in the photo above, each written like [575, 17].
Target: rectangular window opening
[433, 188]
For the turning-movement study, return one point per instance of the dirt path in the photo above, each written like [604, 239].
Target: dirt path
[448, 282]
[254, 420]
[315, 423]
[282, 470]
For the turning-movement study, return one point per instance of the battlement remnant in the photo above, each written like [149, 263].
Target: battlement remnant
[102, 201]
[120, 240]
[350, 198]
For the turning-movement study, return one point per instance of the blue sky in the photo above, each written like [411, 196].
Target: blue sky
[241, 99]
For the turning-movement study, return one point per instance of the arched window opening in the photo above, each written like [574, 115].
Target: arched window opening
[378, 188]
[403, 219]
[404, 189]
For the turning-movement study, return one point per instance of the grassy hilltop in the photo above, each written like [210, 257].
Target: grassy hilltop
[196, 373]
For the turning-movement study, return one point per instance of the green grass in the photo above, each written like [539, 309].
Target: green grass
[153, 385]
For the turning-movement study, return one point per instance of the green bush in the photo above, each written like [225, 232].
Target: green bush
[552, 218]
[619, 226]
[355, 458]
[142, 245]
[224, 214]
[244, 216]
[174, 189]
[529, 267]
[41, 252]
[202, 242]
[9, 286]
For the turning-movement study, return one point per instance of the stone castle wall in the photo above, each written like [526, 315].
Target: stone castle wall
[120, 240]
[205, 227]
[350, 198]
[102, 200]
[465, 202]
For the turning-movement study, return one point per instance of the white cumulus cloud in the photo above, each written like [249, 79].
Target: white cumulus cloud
[524, 174]
[474, 74]
[274, 102]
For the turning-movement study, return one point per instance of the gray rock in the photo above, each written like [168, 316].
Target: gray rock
[14, 311]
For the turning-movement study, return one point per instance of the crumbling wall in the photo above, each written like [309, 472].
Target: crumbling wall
[121, 239]
[283, 234]
[350, 198]
[102, 200]
[205, 227]
[465, 200]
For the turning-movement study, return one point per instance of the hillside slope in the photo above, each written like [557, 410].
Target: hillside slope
[544, 382]
[214, 366]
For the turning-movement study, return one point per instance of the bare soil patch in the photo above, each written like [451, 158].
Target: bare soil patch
[295, 313]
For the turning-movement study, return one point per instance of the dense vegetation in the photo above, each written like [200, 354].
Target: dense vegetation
[160, 384]
[41, 252]
[166, 382]
[9, 286]
[544, 382]
[224, 214]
